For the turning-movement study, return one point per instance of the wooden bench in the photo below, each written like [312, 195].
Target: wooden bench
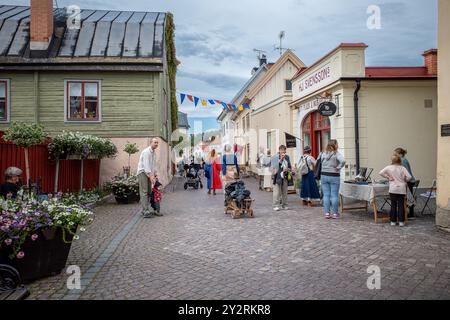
[10, 284]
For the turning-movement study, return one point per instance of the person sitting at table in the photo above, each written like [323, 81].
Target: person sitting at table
[398, 177]
[12, 183]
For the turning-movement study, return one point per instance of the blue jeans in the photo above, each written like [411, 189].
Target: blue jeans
[330, 189]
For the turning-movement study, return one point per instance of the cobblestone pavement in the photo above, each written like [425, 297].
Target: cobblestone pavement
[197, 252]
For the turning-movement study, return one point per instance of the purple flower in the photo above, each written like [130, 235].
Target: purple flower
[34, 237]
[8, 242]
[20, 255]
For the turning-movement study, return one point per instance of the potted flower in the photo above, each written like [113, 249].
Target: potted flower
[67, 145]
[124, 189]
[35, 237]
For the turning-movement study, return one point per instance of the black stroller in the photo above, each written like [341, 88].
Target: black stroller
[237, 200]
[193, 179]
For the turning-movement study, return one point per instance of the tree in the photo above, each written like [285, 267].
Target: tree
[25, 135]
[130, 148]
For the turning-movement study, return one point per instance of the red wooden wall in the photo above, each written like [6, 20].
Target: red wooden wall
[41, 166]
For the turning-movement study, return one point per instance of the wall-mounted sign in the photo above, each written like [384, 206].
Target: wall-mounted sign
[327, 108]
[291, 141]
[445, 130]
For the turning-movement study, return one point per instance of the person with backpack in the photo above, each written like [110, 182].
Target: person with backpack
[309, 190]
[330, 177]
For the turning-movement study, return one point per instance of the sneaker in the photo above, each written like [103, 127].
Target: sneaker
[401, 224]
[148, 215]
[335, 216]
[327, 216]
[158, 214]
[276, 209]
[285, 208]
[393, 224]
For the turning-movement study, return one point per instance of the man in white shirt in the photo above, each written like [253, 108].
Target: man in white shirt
[146, 173]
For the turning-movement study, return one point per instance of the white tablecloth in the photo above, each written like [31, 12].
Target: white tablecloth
[364, 192]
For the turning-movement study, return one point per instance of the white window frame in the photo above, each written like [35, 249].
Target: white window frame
[66, 106]
[8, 100]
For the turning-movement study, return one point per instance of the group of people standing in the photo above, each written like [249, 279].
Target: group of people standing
[327, 169]
[227, 165]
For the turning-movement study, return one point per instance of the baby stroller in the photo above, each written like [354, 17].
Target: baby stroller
[192, 174]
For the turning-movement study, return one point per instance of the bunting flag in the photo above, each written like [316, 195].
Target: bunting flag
[204, 102]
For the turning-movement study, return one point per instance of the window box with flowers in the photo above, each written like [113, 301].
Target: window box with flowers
[35, 237]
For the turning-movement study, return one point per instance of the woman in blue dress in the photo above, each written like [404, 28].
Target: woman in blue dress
[309, 190]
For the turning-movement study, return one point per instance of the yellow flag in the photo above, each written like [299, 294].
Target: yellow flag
[204, 103]
[241, 108]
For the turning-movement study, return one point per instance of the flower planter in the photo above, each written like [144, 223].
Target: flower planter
[73, 157]
[130, 198]
[44, 257]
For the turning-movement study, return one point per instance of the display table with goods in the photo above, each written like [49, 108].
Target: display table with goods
[368, 192]
[36, 236]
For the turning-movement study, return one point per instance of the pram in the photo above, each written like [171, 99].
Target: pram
[192, 175]
[237, 200]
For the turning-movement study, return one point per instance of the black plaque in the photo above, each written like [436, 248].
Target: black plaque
[291, 141]
[445, 130]
[327, 108]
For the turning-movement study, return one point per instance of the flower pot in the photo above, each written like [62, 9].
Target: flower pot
[44, 257]
[128, 199]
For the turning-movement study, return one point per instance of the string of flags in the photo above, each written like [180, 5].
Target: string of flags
[213, 102]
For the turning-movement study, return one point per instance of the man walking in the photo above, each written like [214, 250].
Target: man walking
[147, 176]
[281, 168]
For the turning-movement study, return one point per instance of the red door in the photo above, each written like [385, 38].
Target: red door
[316, 132]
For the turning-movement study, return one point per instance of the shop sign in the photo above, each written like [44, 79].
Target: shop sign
[327, 109]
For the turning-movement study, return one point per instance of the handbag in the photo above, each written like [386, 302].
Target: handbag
[318, 168]
[290, 180]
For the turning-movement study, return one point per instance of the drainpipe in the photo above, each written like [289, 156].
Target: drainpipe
[356, 115]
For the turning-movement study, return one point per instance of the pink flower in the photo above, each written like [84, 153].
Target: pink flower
[8, 242]
[34, 237]
[20, 255]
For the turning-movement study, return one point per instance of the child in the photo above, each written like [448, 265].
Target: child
[155, 197]
[398, 177]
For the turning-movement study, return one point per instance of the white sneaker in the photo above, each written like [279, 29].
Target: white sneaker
[393, 224]
[401, 224]
[285, 208]
[276, 209]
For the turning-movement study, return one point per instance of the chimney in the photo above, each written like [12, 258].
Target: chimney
[262, 60]
[430, 57]
[41, 26]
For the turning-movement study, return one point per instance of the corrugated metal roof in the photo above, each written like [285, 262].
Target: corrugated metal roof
[102, 33]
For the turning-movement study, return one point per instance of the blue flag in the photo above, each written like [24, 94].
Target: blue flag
[211, 102]
[182, 97]
[196, 100]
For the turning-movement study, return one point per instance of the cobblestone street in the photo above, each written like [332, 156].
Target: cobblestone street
[197, 252]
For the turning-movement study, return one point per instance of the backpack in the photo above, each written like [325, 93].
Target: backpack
[303, 166]
[318, 168]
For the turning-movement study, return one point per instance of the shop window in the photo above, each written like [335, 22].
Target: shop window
[316, 132]
[83, 101]
[4, 103]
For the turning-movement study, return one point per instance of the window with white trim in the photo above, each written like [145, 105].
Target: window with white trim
[4, 100]
[83, 101]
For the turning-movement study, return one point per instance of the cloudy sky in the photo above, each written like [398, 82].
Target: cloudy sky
[215, 39]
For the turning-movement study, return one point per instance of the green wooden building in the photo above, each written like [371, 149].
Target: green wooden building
[107, 73]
